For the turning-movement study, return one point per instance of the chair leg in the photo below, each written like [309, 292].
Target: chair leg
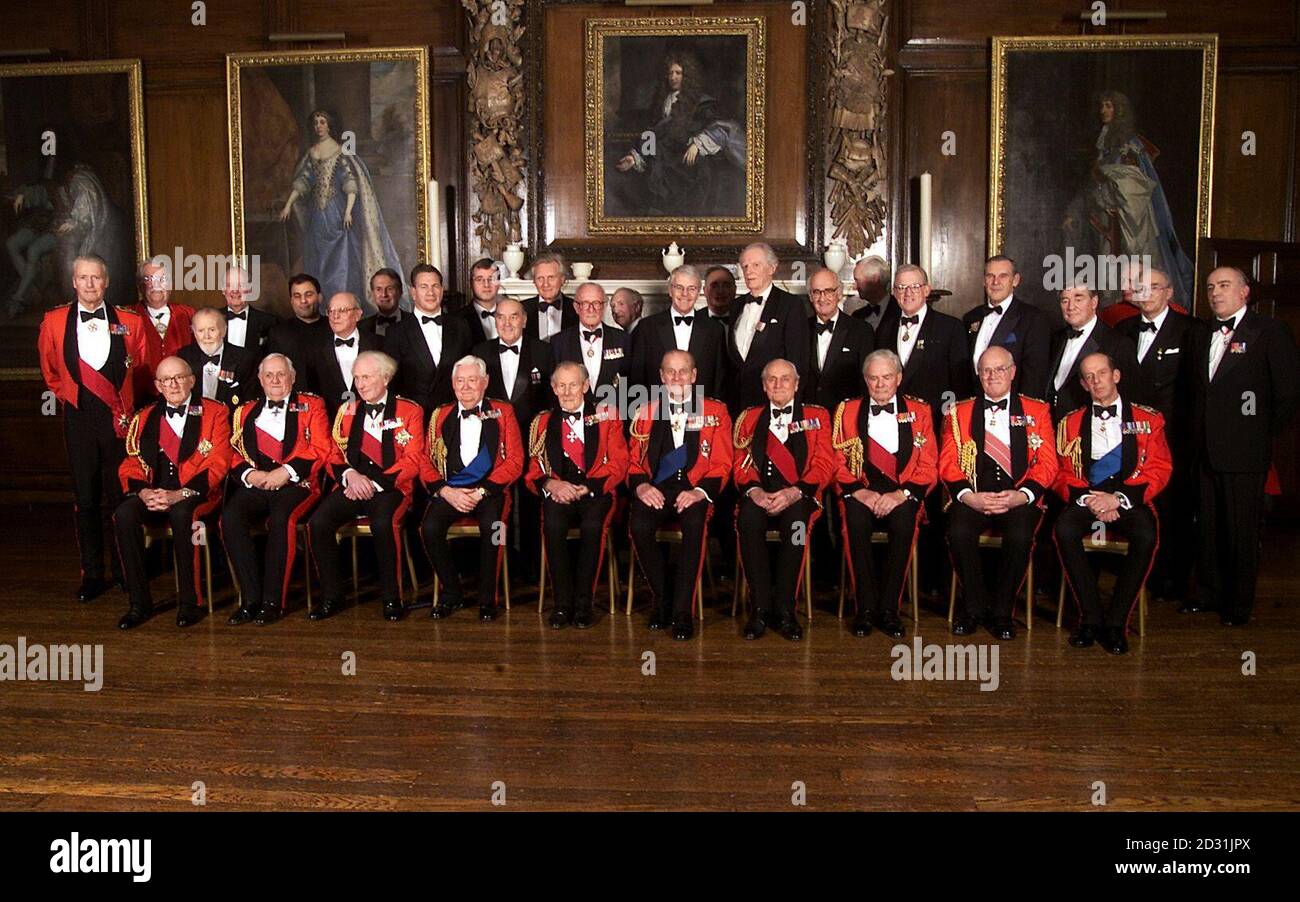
[541, 581]
[176, 574]
[1029, 595]
[1142, 612]
[916, 595]
[807, 581]
[735, 582]
[306, 567]
[631, 578]
[410, 567]
[844, 572]
[708, 572]
[952, 597]
[611, 568]
[505, 575]
[356, 584]
[207, 569]
[699, 598]
[436, 587]
[1060, 602]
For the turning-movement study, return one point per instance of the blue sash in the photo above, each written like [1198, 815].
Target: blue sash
[1105, 467]
[670, 463]
[476, 471]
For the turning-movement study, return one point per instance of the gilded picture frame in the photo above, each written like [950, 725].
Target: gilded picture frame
[1101, 148]
[669, 194]
[307, 131]
[72, 172]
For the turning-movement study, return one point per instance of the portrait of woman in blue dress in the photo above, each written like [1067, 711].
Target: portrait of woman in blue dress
[333, 201]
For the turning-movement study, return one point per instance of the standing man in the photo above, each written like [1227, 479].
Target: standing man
[719, 293]
[1247, 389]
[887, 463]
[1010, 323]
[329, 361]
[840, 345]
[474, 457]
[577, 459]
[295, 337]
[246, 326]
[222, 372]
[480, 315]
[549, 311]
[386, 293]
[769, 324]
[783, 462]
[602, 350]
[625, 308]
[88, 352]
[681, 458]
[1113, 462]
[377, 454]
[426, 343]
[170, 322]
[177, 455]
[280, 444]
[998, 460]
[871, 279]
[1084, 333]
[680, 328]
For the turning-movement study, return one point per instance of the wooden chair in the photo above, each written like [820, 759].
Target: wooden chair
[805, 576]
[467, 528]
[673, 534]
[882, 538]
[989, 539]
[1110, 546]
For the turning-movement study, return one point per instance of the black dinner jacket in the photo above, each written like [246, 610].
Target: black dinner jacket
[371, 323]
[242, 383]
[841, 377]
[939, 362]
[531, 392]
[654, 337]
[568, 316]
[323, 375]
[784, 335]
[567, 347]
[1233, 436]
[1026, 332]
[292, 338]
[1073, 395]
[1167, 379]
[419, 377]
[470, 315]
[891, 312]
[258, 333]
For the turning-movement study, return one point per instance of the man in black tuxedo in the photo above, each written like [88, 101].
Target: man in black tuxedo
[625, 306]
[767, 324]
[680, 328]
[247, 327]
[720, 294]
[839, 345]
[1084, 333]
[550, 310]
[293, 337]
[871, 279]
[480, 314]
[1247, 383]
[1164, 338]
[330, 359]
[386, 293]
[601, 349]
[222, 371]
[1006, 322]
[427, 343]
[519, 371]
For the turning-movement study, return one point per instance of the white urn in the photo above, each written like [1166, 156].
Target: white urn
[836, 256]
[673, 257]
[513, 258]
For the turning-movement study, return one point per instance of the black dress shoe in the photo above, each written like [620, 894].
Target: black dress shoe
[889, 624]
[963, 625]
[791, 630]
[326, 608]
[1112, 639]
[269, 614]
[442, 611]
[584, 619]
[394, 610]
[188, 615]
[1234, 619]
[487, 613]
[660, 620]
[683, 628]
[241, 616]
[134, 617]
[560, 618]
[862, 625]
[1084, 637]
[91, 588]
[1195, 606]
[756, 626]
[1001, 629]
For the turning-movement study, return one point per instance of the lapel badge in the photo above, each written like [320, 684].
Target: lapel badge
[205, 447]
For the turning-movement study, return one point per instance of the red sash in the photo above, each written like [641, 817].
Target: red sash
[169, 441]
[93, 381]
[372, 448]
[267, 444]
[573, 445]
[882, 460]
[782, 459]
[996, 449]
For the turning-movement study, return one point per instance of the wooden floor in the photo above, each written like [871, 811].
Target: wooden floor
[439, 711]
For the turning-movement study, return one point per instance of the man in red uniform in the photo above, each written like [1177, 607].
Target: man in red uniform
[177, 454]
[1114, 461]
[88, 352]
[170, 322]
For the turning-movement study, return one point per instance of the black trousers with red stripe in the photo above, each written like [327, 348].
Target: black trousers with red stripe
[433, 532]
[773, 593]
[261, 583]
[94, 453]
[1073, 528]
[575, 585]
[337, 510]
[1017, 528]
[674, 595]
[129, 521]
[874, 595]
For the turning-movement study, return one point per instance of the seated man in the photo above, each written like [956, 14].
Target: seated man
[887, 463]
[378, 445]
[474, 455]
[280, 447]
[577, 458]
[787, 463]
[177, 453]
[222, 371]
[681, 458]
[998, 460]
[1113, 462]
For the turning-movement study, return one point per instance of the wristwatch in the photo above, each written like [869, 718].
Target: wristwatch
[482, 493]
[188, 493]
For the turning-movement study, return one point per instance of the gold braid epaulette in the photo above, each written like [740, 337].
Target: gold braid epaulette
[133, 443]
[641, 436]
[537, 443]
[1072, 449]
[339, 438]
[237, 433]
[967, 452]
[437, 447]
[852, 448]
[737, 442]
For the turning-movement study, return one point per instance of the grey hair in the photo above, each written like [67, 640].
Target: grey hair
[569, 365]
[685, 270]
[470, 360]
[874, 264]
[206, 312]
[778, 361]
[387, 365]
[91, 258]
[557, 259]
[912, 267]
[596, 285]
[763, 246]
[883, 354]
[277, 355]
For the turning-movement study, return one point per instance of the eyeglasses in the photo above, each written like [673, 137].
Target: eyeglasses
[171, 380]
[343, 312]
[590, 305]
[825, 292]
[995, 370]
[906, 288]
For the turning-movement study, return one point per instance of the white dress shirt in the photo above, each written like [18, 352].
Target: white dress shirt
[747, 322]
[1219, 341]
[1106, 434]
[1146, 337]
[488, 322]
[212, 371]
[682, 331]
[373, 425]
[908, 335]
[592, 351]
[432, 333]
[779, 426]
[93, 340]
[883, 427]
[550, 322]
[177, 424]
[989, 325]
[237, 329]
[1071, 354]
[160, 318]
[272, 422]
[998, 423]
[824, 340]
[471, 431]
[510, 366]
[346, 355]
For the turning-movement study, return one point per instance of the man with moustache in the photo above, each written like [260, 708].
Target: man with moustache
[625, 308]
[601, 349]
[177, 455]
[386, 293]
[871, 279]
[280, 443]
[330, 360]
[88, 352]
[246, 326]
[839, 348]
[549, 311]
[719, 293]
[222, 372]
[769, 324]
[679, 328]
[295, 337]
[480, 315]
[1084, 333]
[170, 322]
[1007, 322]
[426, 343]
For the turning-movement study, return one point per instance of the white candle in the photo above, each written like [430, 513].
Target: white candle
[435, 226]
[923, 255]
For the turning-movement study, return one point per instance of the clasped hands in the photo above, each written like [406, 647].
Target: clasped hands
[1105, 506]
[881, 504]
[563, 492]
[160, 499]
[270, 480]
[463, 500]
[775, 502]
[993, 503]
[653, 498]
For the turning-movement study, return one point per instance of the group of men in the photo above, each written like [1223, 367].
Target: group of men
[761, 410]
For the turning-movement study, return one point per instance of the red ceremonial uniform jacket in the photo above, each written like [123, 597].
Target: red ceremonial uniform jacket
[203, 454]
[1033, 447]
[399, 452]
[60, 363]
[158, 346]
[1145, 463]
[605, 460]
[707, 440]
[306, 445]
[916, 461]
[500, 432]
[808, 442]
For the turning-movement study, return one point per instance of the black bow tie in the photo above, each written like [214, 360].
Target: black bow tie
[275, 405]
[871, 309]
[466, 414]
[683, 320]
[909, 320]
[995, 405]
[753, 299]
[374, 409]
[782, 411]
[571, 414]
[882, 408]
[1075, 333]
[486, 314]
[339, 342]
[548, 306]
[1104, 412]
[214, 359]
[386, 320]
[997, 310]
[425, 320]
[724, 318]
[159, 316]
[592, 335]
[1224, 325]
[175, 411]
[86, 316]
[676, 409]
[503, 348]
[825, 327]
[1145, 326]
[230, 314]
